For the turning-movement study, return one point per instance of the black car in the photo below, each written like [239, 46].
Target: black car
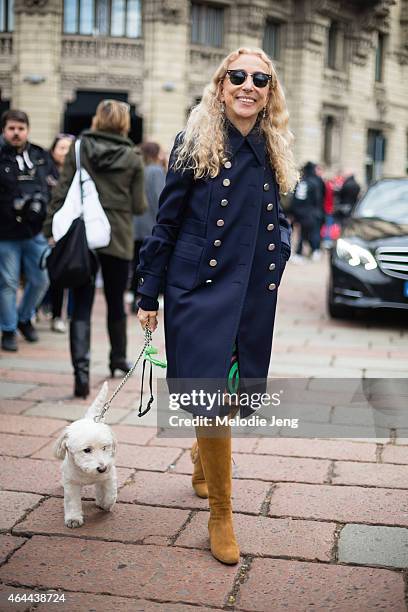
[369, 262]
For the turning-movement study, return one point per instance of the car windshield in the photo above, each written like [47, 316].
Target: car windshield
[386, 200]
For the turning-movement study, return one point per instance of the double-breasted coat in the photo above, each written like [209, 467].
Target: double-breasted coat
[222, 244]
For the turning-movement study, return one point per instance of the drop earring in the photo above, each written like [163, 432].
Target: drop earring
[222, 107]
[264, 113]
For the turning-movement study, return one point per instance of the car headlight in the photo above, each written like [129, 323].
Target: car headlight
[355, 255]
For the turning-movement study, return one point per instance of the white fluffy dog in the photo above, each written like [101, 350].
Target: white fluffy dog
[88, 449]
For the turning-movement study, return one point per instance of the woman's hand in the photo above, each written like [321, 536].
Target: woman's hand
[147, 316]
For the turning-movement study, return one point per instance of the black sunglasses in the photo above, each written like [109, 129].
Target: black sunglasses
[259, 79]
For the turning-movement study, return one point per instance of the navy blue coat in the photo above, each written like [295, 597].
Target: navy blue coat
[222, 244]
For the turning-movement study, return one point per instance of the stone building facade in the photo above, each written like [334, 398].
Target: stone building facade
[343, 65]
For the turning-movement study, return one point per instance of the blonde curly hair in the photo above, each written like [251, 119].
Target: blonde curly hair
[202, 148]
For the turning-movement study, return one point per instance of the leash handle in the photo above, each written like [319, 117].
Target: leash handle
[106, 406]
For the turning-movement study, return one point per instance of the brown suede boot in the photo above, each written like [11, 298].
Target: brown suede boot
[215, 453]
[197, 479]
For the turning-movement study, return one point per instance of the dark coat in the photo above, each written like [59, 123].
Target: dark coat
[16, 184]
[225, 242]
[116, 166]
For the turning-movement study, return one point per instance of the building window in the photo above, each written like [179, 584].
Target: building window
[103, 17]
[379, 58]
[272, 39]
[328, 128]
[376, 145]
[335, 47]
[6, 15]
[207, 25]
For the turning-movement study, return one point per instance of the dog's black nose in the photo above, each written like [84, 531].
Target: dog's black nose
[101, 470]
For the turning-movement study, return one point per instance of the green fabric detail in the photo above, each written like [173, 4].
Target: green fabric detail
[151, 350]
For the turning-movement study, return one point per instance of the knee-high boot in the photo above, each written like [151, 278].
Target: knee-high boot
[118, 342]
[215, 453]
[79, 340]
[198, 478]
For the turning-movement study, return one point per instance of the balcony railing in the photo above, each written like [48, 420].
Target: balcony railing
[92, 48]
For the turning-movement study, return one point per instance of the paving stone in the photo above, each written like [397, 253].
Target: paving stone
[14, 406]
[395, 454]
[126, 522]
[9, 543]
[47, 392]
[72, 411]
[340, 503]
[13, 390]
[263, 536]
[25, 376]
[87, 602]
[31, 475]
[370, 474]
[374, 545]
[148, 420]
[13, 507]
[303, 586]
[130, 434]
[275, 468]
[20, 446]
[18, 424]
[325, 449]
[175, 490]
[131, 570]
[146, 457]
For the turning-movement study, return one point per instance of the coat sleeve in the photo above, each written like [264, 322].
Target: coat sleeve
[157, 248]
[59, 192]
[139, 204]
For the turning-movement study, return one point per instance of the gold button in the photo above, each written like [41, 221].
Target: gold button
[266, 187]
[272, 287]
[224, 202]
[270, 227]
[220, 222]
[227, 165]
[271, 246]
[269, 206]
[213, 263]
[272, 266]
[226, 182]
[217, 243]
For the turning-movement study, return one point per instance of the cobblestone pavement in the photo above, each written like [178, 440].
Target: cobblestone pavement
[322, 524]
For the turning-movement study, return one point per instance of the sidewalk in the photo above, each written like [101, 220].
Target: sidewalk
[322, 524]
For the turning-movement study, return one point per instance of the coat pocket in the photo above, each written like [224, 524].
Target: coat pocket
[184, 264]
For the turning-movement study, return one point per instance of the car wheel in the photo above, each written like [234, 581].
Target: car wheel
[338, 311]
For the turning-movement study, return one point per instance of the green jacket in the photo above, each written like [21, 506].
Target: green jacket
[116, 167]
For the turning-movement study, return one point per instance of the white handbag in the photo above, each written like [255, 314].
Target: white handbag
[83, 199]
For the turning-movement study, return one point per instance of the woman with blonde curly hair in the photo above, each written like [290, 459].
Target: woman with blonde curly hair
[222, 241]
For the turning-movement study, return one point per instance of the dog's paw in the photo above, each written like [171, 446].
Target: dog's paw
[106, 505]
[74, 522]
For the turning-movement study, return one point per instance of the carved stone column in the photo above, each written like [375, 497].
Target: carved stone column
[165, 102]
[36, 84]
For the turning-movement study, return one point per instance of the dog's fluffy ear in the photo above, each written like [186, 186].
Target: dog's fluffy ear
[98, 403]
[60, 447]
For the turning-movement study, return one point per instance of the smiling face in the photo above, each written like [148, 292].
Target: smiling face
[244, 102]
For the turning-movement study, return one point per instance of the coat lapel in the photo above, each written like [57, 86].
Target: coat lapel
[255, 139]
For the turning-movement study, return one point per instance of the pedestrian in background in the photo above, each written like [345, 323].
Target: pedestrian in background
[116, 167]
[154, 183]
[307, 210]
[222, 240]
[347, 196]
[54, 297]
[24, 193]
